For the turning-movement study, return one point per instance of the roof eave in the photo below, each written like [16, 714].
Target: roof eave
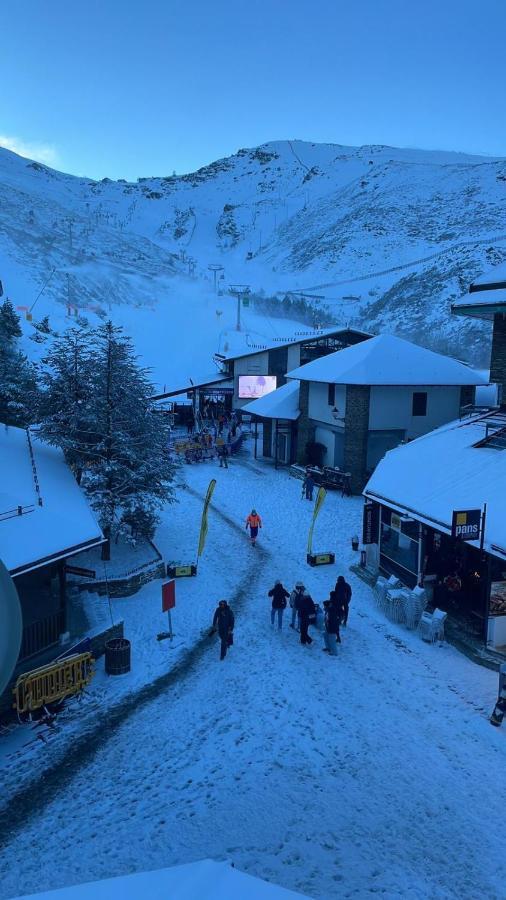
[55, 557]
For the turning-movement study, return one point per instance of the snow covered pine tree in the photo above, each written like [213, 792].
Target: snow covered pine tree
[98, 410]
[18, 377]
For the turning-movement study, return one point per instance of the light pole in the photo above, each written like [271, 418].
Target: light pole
[240, 291]
[215, 268]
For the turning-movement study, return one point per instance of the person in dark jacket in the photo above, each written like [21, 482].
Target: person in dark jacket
[306, 609]
[279, 597]
[342, 598]
[309, 484]
[223, 456]
[331, 633]
[295, 598]
[223, 621]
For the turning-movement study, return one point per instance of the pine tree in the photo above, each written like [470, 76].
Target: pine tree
[129, 477]
[9, 322]
[65, 408]
[18, 386]
[96, 407]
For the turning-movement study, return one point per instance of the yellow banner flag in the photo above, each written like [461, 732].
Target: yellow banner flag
[203, 526]
[320, 497]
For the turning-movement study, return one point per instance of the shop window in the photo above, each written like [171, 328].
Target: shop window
[331, 395]
[419, 403]
[399, 548]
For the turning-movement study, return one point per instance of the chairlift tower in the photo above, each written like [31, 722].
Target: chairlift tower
[215, 268]
[240, 291]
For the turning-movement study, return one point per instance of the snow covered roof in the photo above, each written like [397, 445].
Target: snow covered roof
[486, 295]
[61, 525]
[181, 387]
[299, 337]
[282, 403]
[444, 471]
[205, 880]
[387, 359]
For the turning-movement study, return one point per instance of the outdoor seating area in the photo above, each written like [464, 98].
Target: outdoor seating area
[400, 604]
[329, 477]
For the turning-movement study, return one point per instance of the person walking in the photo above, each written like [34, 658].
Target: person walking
[343, 596]
[223, 456]
[223, 622]
[295, 598]
[331, 633]
[309, 484]
[253, 522]
[306, 610]
[279, 597]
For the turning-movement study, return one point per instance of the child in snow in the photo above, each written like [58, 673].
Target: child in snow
[253, 522]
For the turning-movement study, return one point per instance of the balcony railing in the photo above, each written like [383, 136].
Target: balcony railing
[40, 635]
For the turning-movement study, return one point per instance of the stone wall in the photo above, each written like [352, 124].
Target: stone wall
[306, 429]
[356, 428]
[125, 587]
[498, 355]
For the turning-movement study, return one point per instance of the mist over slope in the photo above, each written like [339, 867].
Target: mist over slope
[387, 238]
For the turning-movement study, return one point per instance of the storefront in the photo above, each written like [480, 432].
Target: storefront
[459, 578]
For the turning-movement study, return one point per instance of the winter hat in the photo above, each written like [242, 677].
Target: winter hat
[253, 512]
[222, 601]
[298, 584]
[277, 582]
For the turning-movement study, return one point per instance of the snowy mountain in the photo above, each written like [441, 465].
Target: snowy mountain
[386, 237]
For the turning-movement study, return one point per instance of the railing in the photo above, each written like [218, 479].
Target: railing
[41, 634]
[18, 511]
[53, 682]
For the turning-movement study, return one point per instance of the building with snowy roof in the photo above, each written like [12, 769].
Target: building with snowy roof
[202, 880]
[44, 519]
[486, 299]
[366, 399]
[416, 492]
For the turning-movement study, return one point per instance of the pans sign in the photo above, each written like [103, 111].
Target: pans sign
[466, 524]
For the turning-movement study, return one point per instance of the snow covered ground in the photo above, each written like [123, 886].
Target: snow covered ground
[376, 772]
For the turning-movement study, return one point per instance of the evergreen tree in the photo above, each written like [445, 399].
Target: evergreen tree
[65, 408]
[129, 475]
[96, 407]
[9, 322]
[18, 377]
[18, 387]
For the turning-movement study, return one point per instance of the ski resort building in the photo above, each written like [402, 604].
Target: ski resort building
[44, 519]
[366, 399]
[486, 300]
[435, 517]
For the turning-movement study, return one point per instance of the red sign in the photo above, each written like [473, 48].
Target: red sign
[168, 595]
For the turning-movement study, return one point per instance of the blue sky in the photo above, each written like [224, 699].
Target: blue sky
[127, 88]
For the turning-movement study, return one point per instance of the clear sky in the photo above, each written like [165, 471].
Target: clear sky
[127, 88]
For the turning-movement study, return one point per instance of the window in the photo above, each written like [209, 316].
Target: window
[332, 395]
[419, 403]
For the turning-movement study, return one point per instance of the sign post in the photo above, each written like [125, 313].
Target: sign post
[468, 524]
[370, 524]
[169, 602]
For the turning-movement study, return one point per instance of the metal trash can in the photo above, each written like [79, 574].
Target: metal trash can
[117, 656]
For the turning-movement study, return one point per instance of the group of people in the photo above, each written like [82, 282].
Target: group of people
[304, 611]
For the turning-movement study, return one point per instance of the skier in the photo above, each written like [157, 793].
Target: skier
[295, 598]
[279, 597]
[223, 620]
[308, 485]
[342, 598]
[253, 522]
[331, 634]
[223, 456]
[306, 609]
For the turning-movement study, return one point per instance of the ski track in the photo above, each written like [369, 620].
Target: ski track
[375, 772]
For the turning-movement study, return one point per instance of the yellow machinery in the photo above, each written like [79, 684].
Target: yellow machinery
[54, 682]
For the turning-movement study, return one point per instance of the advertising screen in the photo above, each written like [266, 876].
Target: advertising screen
[251, 387]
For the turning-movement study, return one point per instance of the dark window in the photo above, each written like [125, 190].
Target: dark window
[332, 395]
[419, 403]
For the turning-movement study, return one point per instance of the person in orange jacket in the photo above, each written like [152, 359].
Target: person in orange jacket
[253, 522]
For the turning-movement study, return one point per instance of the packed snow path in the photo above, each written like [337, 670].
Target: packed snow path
[376, 772]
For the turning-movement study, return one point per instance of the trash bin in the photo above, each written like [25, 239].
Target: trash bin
[355, 542]
[117, 656]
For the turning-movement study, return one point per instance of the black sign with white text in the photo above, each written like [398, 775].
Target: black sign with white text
[466, 524]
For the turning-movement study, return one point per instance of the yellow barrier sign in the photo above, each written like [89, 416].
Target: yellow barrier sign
[53, 682]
